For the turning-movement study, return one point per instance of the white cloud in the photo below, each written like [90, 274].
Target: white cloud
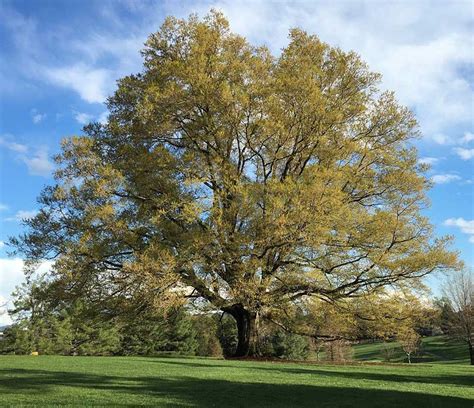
[37, 117]
[39, 164]
[3, 207]
[13, 146]
[428, 160]
[464, 154]
[82, 118]
[429, 81]
[466, 226]
[467, 138]
[92, 84]
[442, 139]
[444, 178]
[11, 275]
[85, 118]
[2, 244]
[22, 215]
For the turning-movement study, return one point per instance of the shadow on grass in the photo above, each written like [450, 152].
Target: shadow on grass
[195, 392]
[356, 375]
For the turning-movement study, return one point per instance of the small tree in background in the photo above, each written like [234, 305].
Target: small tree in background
[410, 341]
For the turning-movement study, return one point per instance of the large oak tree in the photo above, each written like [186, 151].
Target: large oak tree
[247, 180]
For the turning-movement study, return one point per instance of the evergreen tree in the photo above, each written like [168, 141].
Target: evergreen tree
[290, 346]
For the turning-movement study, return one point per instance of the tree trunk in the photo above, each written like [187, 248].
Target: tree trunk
[471, 353]
[246, 345]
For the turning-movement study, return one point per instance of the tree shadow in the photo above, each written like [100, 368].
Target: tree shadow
[199, 392]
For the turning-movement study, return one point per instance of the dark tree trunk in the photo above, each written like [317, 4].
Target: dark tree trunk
[245, 321]
[471, 353]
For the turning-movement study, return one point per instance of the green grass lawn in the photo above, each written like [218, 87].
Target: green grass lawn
[197, 382]
[436, 349]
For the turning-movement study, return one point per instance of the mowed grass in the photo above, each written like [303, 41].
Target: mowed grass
[197, 382]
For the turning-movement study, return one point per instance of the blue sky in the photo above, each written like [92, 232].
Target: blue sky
[59, 60]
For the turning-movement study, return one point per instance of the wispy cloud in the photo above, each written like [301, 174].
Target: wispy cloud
[36, 160]
[466, 226]
[22, 215]
[82, 118]
[85, 118]
[467, 138]
[429, 160]
[39, 164]
[3, 207]
[445, 178]
[37, 117]
[464, 154]
[13, 146]
[92, 84]
[442, 139]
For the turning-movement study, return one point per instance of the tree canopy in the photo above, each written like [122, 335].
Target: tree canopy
[244, 180]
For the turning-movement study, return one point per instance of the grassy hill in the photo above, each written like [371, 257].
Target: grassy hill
[197, 382]
[436, 349]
